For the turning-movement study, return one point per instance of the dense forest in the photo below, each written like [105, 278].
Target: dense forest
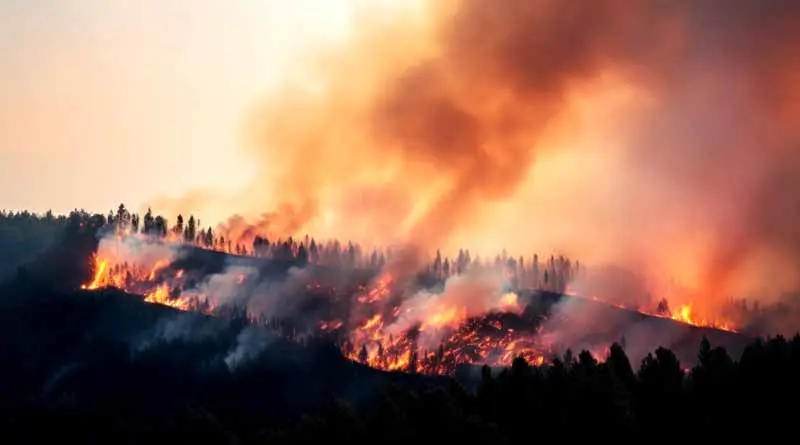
[25, 236]
[103, 367]
[28, 233]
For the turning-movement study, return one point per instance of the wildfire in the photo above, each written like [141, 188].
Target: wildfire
[477, 341]
[100, 267]
[161, 295]
[433, 335]
[684, 314]
[147, 281]
[509, 302]
[378, 292]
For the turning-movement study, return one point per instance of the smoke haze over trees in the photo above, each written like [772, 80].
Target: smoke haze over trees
[658, 135]
[106, 365]
[554, 273]
[649, 151]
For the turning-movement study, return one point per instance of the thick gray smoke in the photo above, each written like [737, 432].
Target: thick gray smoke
[231, 287]
[280, 298]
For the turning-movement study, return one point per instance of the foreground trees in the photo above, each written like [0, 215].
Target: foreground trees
[69, 366]
[584, 399]
[77, 366]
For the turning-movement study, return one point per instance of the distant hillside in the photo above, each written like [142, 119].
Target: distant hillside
[592, 323]
[596, 322]
[112, 349]
[23, 236]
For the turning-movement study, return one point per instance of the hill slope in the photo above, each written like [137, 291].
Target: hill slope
[111, 351]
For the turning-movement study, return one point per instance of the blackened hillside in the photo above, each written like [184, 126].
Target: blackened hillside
[110, 352]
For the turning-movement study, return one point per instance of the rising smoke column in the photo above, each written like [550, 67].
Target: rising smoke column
[452, 117]
[411, 130]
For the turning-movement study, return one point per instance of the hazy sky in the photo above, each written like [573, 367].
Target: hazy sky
[103, 101]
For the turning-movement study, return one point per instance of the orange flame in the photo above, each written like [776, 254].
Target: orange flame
[100, 267]
[377, 340]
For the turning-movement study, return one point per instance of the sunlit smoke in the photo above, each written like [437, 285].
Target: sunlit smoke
[474, 313]
[660, 136]
[463, 296]
[137, 251]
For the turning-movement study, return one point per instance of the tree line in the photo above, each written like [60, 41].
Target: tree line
[581, 398]
[552, 274]
[26, 234]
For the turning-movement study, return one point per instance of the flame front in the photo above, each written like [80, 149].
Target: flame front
[432, 336]
[100, 278]
[684, 314]
[157, 283]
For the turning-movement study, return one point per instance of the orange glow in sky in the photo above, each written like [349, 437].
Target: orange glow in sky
[103, 101]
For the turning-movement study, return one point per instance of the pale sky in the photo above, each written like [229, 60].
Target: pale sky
[109, 101]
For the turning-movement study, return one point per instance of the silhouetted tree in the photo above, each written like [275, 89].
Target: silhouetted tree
[190, 233]
[208, 238]
[160, 227]
[178, 229]
[302, 255]
[660, 392]
[260, 246]
[135, 223]
[149, 223]
[663, 307]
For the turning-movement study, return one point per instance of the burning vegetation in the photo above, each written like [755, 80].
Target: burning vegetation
[460, 118]
[445, 312]
[657, 136]
[107, 352]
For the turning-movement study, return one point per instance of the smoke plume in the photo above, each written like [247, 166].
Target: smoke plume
[472, 294]
[137, 251]
[659, 135]
[180, 326]
[250, 342]
[230, 287]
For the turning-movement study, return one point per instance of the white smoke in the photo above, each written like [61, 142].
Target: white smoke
[471, 294]
[251, 341]
[137, 250]
[228, 288]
